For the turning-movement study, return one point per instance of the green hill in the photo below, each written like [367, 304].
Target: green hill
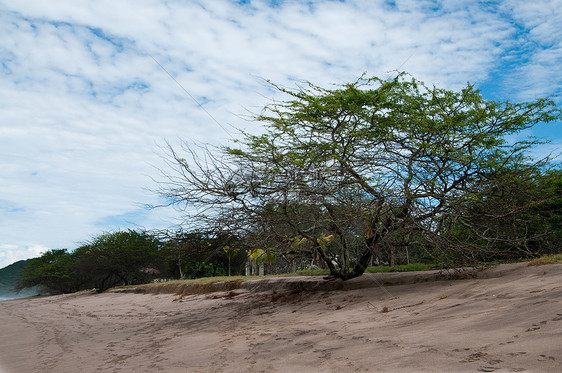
[8, 279]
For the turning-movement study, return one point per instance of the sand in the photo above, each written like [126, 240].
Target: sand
[507, 319]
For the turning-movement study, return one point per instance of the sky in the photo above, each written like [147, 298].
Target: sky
[87, 105]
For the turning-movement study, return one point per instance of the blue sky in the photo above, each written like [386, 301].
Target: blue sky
[84, 109]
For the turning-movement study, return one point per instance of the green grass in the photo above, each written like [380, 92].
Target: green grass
[549, 259]
[198, 285]
[198, 281]
[377, 269]
[400, 268]
[201, 280]
[209, 284]
[311, 272]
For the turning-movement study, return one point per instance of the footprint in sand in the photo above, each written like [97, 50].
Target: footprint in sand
[474, 357]
[558, 317]
[517, 353]
[536, 326]
[546, 358]
[487, 369]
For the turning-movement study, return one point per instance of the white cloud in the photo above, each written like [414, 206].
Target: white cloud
[85, 105]
[534, 54]
[12, 253]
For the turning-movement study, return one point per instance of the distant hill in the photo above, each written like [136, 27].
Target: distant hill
[8, 278]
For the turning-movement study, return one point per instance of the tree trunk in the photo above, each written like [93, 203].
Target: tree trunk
[345, 260]
[407, 256]
[182, 276]
[333, 271]
[363, 263]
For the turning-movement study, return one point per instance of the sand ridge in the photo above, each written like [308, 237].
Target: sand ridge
[507, 319]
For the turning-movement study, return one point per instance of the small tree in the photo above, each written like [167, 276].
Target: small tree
[230, 253]
[270, 256]
[256, 258]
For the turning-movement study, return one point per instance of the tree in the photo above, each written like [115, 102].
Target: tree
[196, 254]
[255, 259]
[53, 270]
[270, 256]
[119, 258]
[110, 259]
[518, 215]
[366, 164]
[230, 252]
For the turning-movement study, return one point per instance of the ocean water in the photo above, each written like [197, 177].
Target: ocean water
[23, 294]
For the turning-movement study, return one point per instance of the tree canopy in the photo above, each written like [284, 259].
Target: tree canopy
[52, 270]
[122, 257]
[364, 167]
[110, 259]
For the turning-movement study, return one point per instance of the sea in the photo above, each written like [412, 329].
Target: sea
[8, 298]
[23, 294]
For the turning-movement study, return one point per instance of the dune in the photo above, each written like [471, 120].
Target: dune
[503, 319]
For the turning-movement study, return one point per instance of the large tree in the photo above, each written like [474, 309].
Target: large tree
[119, 258]
[53, 271]
[358, 168]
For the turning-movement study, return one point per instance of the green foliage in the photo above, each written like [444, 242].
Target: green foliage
[377, 161]
[548, 259]
[53, 270]
[270, 256]
[230, 252]
[9, 280]
[384, 168]
[123, 257]
[515, 214]
[198, 254]
[9, 275]
[378, 269]
[324, 241]
[313, 272]
[401, 268]
[256, 255]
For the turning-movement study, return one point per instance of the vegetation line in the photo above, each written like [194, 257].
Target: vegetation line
[373, 172]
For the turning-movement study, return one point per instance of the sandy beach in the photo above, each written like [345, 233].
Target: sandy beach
[505, 319]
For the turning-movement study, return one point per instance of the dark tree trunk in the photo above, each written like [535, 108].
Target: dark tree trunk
[363, 263]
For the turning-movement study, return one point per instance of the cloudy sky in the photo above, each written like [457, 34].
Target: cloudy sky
[85, 107]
